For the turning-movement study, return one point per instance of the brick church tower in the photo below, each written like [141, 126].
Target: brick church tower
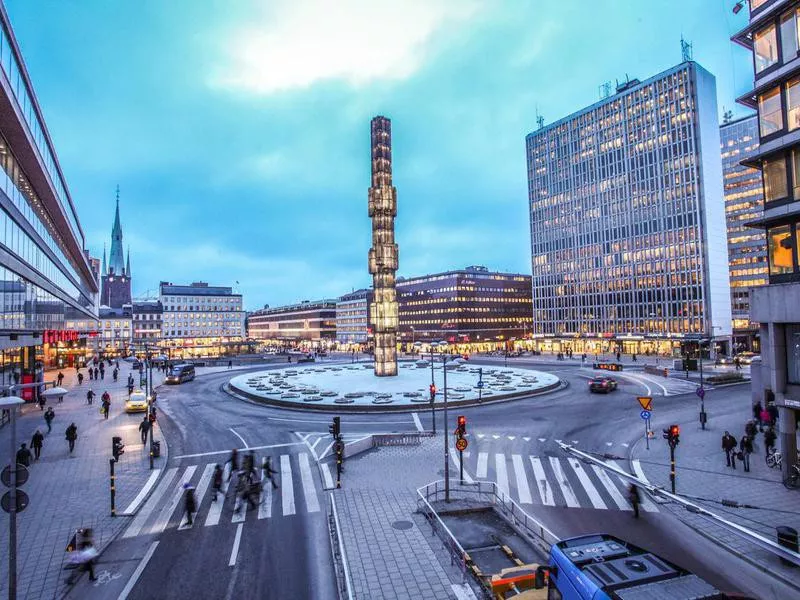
[115, 289]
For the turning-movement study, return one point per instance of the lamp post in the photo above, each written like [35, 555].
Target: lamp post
[446, 435]
[11, 403]
[433, 400]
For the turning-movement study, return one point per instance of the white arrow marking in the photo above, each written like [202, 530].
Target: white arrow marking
[609, 443]
[480, 435]
[527, 439]
[626, 445]
[557, 441]
[574, 441]
[512, 437]
[497, 437]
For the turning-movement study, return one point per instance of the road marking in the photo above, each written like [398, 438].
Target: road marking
[612, 490]
[138, 572]
[287, 491]
[349, 422]
[236, 541]
[200, 491]
[325, 452]
[326, 475]
[501, 473]
[527, 439]
[594, 495]
[544, 439]
[575, 442]
[646, 503]
[240, 437]
[626, 445]
[483, 465]
[541, 482]
[496, 437]
[609, 443]
[215, 510]
[139, 520]
[523, 490]
[563, 483]
[166, 512]
[314, 445]
[265, 503]
[454, 458]
[417, 422]
[151, 481]
[310, 492]
[481, 435]
[228, 451]
[512, 437]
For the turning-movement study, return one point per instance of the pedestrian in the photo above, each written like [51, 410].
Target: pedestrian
[230, 365]
[42, 401]
[746, 449]
[634, 498]
[234, 460]
[115, 374]
[23, 456]
[216, 482]
[769, 440]
[249, 463]
[773, 412]
[766, 420]
[737, 363]
[91, 374]
[90, 396]
[60, 378]
[80, 378]
[633, 356]
[49, 415]
[757, 408]
[106, 405]
[750, 429]
[72, 435]
[619, 355]
[144, 428]
[36, 443]
[729, 446]
[96, 372]
[189, 503]
[269, 471]
[241, 490]
[84, 557]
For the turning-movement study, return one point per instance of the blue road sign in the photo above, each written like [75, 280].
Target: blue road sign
[645, 414]
[700, 392]
[480, 385]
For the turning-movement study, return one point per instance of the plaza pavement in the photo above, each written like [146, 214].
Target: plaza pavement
[702, 474]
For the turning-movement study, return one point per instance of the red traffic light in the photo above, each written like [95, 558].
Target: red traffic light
[674, 430]
[462, 421]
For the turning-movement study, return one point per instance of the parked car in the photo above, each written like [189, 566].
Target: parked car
[136, 402]
[306, 358]
[602, 384]
[745, 358]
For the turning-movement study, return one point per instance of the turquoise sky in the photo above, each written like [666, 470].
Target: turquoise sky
[238, 131]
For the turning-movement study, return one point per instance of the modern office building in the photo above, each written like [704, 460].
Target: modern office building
[627, 222]
[747, 247]
[308, 320]
[772, 35]
[147, 317]
[352, 317]
[45, 276]
[115, 290]
[468, 306]
[201, 320]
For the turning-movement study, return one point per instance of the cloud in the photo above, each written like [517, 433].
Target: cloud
[297, 43]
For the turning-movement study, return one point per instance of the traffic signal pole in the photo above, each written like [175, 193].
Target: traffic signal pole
[446, 436]
[672, 466]
[433, 397]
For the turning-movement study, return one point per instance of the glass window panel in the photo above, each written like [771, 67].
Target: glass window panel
[780, 250]
[792, 353]
[789, 36]
[793, 103]
[770, 113]
[775, 186]
[765, 48]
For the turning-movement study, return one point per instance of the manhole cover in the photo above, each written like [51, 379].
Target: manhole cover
[402, 525]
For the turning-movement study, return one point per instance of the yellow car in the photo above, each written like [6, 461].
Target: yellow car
[136, 402]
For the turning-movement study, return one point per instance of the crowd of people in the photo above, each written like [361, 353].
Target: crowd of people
[763, 421]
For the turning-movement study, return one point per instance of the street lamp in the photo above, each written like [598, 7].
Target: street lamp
[11, 403]
[433, 400]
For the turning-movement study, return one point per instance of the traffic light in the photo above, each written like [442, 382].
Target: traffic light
[335, 428]
[117, 447]
[672, 435]
[432, 388]
[461, 430]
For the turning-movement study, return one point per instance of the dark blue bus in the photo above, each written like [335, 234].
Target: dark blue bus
[602, 567]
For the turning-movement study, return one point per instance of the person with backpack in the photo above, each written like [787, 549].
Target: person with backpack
[49, 415]
[72, 435]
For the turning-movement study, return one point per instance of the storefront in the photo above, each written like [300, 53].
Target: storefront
[65, 348]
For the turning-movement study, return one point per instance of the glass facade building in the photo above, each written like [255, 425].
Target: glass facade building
[627, 220]
[747, 247]
[45, 276]
[307, 320]
[352, 317]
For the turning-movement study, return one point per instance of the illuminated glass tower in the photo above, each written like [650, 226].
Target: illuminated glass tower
[383, 255]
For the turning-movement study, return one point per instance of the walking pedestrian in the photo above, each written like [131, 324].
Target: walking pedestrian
[115, 374]
[619, 355]
[144, 428]
[97, 371]
[769, 440]
[23, 455]
[633, 357]
[60, 378]
[72, 435]
[106, 405]
[49, 415]
[91, 374]
[750, 429]
[773, 412]
[90, 396]
[216, 482]
[84, 557]
[746, 449]
[729, 446]
[249, 463]
[230, 365]
[268, 471]
[766, 420]
[757, 408]
[634, 498]
[80, 378]
[234, 460]
[36, 443]
[42, 401]
[189, 503]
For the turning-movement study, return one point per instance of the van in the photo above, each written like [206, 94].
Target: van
[180, 373]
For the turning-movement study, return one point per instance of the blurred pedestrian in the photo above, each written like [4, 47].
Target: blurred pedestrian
[106, 405]
[729, 446]
[746, 449]
[71, 435]
[60, 378]
[268, 471]
[769, 440]
[634, 498]
[80, 378]
[750, 429]
[234, 460]
[83, 558]
[90, 396]
[23, 456]
[49, 415]
[216, 482]
[91, 374]
[189, 502]
[36, 443]
[144, 428]
[766, 419]
[773, 412]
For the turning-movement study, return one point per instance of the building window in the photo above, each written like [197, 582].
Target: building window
[770, 115]
[793, 103]
[792, 353]
[796, 173]
[774, 172]
[765, 47]
[789, 42]
[780, 250]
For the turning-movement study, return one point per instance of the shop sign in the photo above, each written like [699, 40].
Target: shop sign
[53, 336]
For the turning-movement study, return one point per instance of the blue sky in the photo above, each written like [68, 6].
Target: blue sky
[239, 131]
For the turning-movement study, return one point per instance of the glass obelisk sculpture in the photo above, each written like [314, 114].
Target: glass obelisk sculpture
[383, 256]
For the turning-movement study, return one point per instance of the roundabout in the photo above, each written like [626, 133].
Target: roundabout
[355, 387]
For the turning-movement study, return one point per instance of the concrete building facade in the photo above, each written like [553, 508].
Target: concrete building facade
[352, 317]
[308, 320]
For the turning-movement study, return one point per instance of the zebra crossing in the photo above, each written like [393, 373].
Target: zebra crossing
[553, 481]
[164, 508]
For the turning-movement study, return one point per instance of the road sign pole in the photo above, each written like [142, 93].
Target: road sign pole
[672, 466]
[647, 433]
[12, 512]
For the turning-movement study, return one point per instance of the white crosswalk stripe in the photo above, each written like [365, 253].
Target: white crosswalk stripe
[287, 491]
[455, 458]
[215, 512]
[265, 502]
[646, 503]
[541, 481]
[312, 504]
[502, 473]
[594, 496]
[200, 490]
[483, 465]
[144, 513]
[177, 495]
[612, 490]
[563, 483]
[523, 489]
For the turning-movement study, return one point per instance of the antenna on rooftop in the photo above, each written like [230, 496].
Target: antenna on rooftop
[727, 115]
[539, 119]
[686, 50]
[604, 90]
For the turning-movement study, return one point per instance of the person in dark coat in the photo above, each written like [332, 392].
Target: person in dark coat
[24, 456]
[729, 446]
[746, 448]
[36, 443]
[234, 460]
[72, 435]
[773, 412]
[90, 396]
[91, 374]
[216, 482]
[757, 411]
[634, 498]
[189, 503]
[49, 415]
[80, 378]
[769, 440]
[750, 429]
[60, 378]
[144, 428]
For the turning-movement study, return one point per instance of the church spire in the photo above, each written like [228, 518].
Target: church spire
[116, 258]
[128, 264]
[103, 270]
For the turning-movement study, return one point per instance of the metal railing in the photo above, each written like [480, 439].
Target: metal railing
[340, 557]
[398, 439]
[457, 553]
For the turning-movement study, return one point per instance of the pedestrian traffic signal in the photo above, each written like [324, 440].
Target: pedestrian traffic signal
[461, 430]
[672, 435]
[117, 447]
[335, 428]
[432, 389]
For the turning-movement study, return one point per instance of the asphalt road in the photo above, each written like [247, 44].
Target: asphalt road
[287, 555]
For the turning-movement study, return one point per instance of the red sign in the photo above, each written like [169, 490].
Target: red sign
[27, 393]
[52, 336]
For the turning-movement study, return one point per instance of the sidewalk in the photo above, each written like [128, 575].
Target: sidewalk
[67, 492]
[702, 473]
[390, 549]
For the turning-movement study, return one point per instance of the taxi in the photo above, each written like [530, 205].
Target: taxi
[136, 402]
